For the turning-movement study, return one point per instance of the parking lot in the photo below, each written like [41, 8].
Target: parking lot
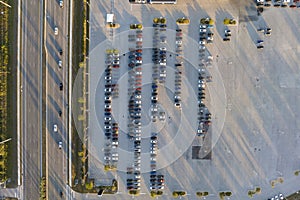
[252, 98]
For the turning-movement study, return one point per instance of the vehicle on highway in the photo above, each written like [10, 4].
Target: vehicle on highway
[60, 63]
[61, 3]
[268, 33]
[260, 42]
[61, 86]
[60, 144]
[260, 47]
[61, 52]
[55, 128]
[55, 30]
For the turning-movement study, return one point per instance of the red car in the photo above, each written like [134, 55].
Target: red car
[139, 50]
[139, 58]
[116, 66]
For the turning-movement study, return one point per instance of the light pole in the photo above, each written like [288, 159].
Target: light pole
[5, 141]
[5, 4]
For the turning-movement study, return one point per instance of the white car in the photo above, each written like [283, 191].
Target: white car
[153, 152]
[55, 30]
[202, 26]
[163, 49]
[107, 98]
[139, 61]
[107, 118]
[201, 85]
[153, 158]
[107, 106]
[60, 63]
[61, 3]
[152, 187]
[153, 141]
[200, 81]
[202, 30]
[60, 144]
[178, 41]
[55, 128]
[202, 47]
[154, 98]
[163, 63]
[138, 73]
[107, 90]
[227, 31]
[138, 96]
[137, 176]
[139, 39]
[202, 42]
[106, 158]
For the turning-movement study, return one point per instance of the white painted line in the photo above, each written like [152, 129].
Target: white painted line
[18, 93]
[70, 92]
[41, 89]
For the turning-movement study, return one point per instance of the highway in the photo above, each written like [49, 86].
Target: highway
[37, 35]
[31, 97]
[56, 99]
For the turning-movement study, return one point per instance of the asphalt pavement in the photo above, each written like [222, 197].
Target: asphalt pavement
[31, 96]
[56, 99]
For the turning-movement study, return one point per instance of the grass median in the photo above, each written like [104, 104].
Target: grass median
[11, 120]
[78, 57]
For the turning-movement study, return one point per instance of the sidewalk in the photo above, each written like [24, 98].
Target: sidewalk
[10, 192]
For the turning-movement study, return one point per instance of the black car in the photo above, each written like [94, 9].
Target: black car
[60, 113]
[61, 86]
[226, 39]
[260, 47]
[107, 114]
[61, 52]
[153, 101]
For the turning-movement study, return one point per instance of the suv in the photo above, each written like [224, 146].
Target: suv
[61, 86]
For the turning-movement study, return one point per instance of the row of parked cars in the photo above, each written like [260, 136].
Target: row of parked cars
[227, 35]
[159, 65]
[111, 129]
[206, 35]
[135, 106]
[278, 3]
[178, 68]
[277, 197]
[159, 56]
[157, 182]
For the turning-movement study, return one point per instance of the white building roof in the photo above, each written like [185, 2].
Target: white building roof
[109, 18]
